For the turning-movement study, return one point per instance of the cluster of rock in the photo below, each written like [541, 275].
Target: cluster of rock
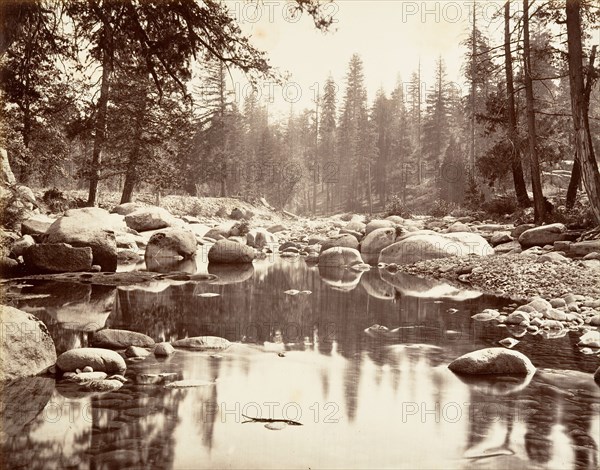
[551, 319]
[92, 239]
[26, 350]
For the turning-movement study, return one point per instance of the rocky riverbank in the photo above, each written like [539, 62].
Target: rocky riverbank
[521, 277]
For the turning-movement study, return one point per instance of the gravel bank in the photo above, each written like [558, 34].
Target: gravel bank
[515, 276]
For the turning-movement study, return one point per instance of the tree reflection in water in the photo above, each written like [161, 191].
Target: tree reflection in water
[373, 377]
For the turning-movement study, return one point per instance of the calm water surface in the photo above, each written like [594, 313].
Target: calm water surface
[365, 399]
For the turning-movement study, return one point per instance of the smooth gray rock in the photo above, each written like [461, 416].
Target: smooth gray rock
[26, 348]
[342, 241]
[542, 235]
[339, 256]
[493, 361]
[149, 218]
[120, 339]
[92, 227]
[421, 246]
[202, 343]
[163, 349]
[170, 243]
[99, 359]
[230, 252]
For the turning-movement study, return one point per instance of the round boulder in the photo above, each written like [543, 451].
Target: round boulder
[422, 246]
[377, 224]
[170, 243]
[149, 218]
[376, 241]
[340, 241]
[99, 359]
[339, 256]
[542, 235]
[230, 252]
[493, 361]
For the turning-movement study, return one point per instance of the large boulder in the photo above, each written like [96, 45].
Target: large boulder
[584, 248]
[19, 246]
[149, 218]
[230, 252]
[356, 225]
[37, 224]
[93, 227]
[202, 343]
[127, 208]
[493, 361]
[26, 348]
[421, 246]
[457, 227]
[339, 256]
[99, 359]
[597, 375]
[259, 238]
[375, 241]
[519, 229]
[170, 243]
[542, 235]
[120, 339]
[57, 258]
[377, 224]
[340, 241]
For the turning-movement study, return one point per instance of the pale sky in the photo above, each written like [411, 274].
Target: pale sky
[390, 36]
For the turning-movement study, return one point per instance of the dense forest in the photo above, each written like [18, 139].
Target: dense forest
[137, 96]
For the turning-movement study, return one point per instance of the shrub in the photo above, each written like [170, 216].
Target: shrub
[580, 216]
[395, 206]
[55, 200]
[442, 208]
[500, 206]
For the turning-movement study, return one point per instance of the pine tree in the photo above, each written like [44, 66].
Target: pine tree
[355, 140]
[436, 127]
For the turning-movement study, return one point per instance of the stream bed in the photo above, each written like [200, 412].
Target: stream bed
[304, 349]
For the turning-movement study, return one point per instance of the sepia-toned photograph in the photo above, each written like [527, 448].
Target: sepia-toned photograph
[300, 234]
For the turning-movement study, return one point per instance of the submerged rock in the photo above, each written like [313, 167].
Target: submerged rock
[26, 348]
[103, 360]
[493, 361]
[189, 383]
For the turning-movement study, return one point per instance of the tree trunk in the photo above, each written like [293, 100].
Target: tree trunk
[536, 182]
[100, 124]
[573, 183]
[579, 107]
[517, 169]
[130, 181]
